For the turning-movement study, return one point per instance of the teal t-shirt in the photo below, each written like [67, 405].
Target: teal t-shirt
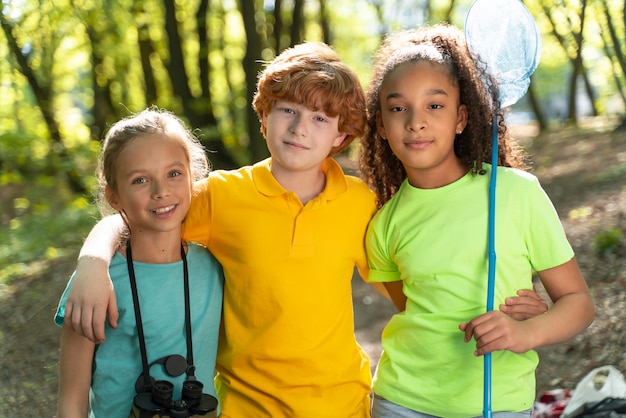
[435, 240]
[117, 362]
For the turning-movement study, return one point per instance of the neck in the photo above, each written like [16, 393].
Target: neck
[305, 184]
[161, 249]
[436, 177]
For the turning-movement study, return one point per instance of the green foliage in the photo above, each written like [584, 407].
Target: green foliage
[80, 65]
[21, 156]
[608, 241]
[45, 222]
[27, 159]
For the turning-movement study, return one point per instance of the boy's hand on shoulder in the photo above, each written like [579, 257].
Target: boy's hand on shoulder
[89, 301]
[525, 305]
[494, 331]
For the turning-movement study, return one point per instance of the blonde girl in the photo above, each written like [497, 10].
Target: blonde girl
[146, 170]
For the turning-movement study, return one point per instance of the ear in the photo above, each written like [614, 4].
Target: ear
[339, 140]
[380, 127]
[112, 198]
[461, 120]
[264, 124]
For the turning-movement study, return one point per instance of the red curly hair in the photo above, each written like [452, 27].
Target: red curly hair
[312, 74]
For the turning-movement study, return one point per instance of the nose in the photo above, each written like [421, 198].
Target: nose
[160, 189]
[298, 125]
[416, 121]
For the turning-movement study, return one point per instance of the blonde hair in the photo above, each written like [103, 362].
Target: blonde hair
[312, 74]
[151, 121]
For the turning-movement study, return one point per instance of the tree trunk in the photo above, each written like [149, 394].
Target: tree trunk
[576, 60]
[43, 98]
[176, 65]
[589, 91]
[297, 23]
[324, 23]
[618, 43]
[102, 106]
[146, 49]
[205, 103]
[534, 104]
[278, 25]
[252, 67]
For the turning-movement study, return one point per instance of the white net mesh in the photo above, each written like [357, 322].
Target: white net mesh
[505, 36]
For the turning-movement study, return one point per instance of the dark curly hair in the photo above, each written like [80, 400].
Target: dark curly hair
[379, 167]
[312, 74]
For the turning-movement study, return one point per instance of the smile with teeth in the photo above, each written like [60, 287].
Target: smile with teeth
[159, 211]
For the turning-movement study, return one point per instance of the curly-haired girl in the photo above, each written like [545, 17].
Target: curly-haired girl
[425, 154]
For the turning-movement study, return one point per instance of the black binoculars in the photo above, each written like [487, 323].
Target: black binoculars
[158, 402]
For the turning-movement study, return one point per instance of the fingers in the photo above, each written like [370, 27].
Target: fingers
[67, 315]
[96, 325]
[85, 322]
[526, 305]
[78, 320]
[495, 331]
[530, 293]
[72, 312]
[112, 310]
[471, 328]
[100, 316]
[465, 327]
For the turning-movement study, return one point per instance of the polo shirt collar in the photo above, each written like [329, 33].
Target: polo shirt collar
[266, 184]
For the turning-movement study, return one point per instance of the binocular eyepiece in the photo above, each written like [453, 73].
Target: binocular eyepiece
[158, 401]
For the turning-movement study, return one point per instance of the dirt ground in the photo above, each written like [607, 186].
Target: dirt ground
[586, 178]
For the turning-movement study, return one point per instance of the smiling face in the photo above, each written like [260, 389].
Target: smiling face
[153, 185]
[299, 138]
[420, 116]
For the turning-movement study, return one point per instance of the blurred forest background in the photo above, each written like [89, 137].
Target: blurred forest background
[70, 68]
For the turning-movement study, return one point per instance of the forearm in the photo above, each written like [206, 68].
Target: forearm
[572, 310]
[569, 316]
[92, 297]
[396, 294]
[68, 409]
[103, 239]
[75, 360]
[391, 290]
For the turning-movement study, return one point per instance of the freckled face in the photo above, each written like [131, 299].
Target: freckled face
[420, 117]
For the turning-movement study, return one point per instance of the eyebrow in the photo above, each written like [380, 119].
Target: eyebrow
[431, 92]
[135, 171]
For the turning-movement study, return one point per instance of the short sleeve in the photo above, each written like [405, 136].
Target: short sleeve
[547, 242]
[59, 316]
[382, 267]
[196, 226]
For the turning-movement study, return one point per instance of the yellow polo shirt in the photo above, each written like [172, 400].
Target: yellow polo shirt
[287, 348]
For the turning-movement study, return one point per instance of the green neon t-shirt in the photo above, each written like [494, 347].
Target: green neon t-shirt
[435, 240]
